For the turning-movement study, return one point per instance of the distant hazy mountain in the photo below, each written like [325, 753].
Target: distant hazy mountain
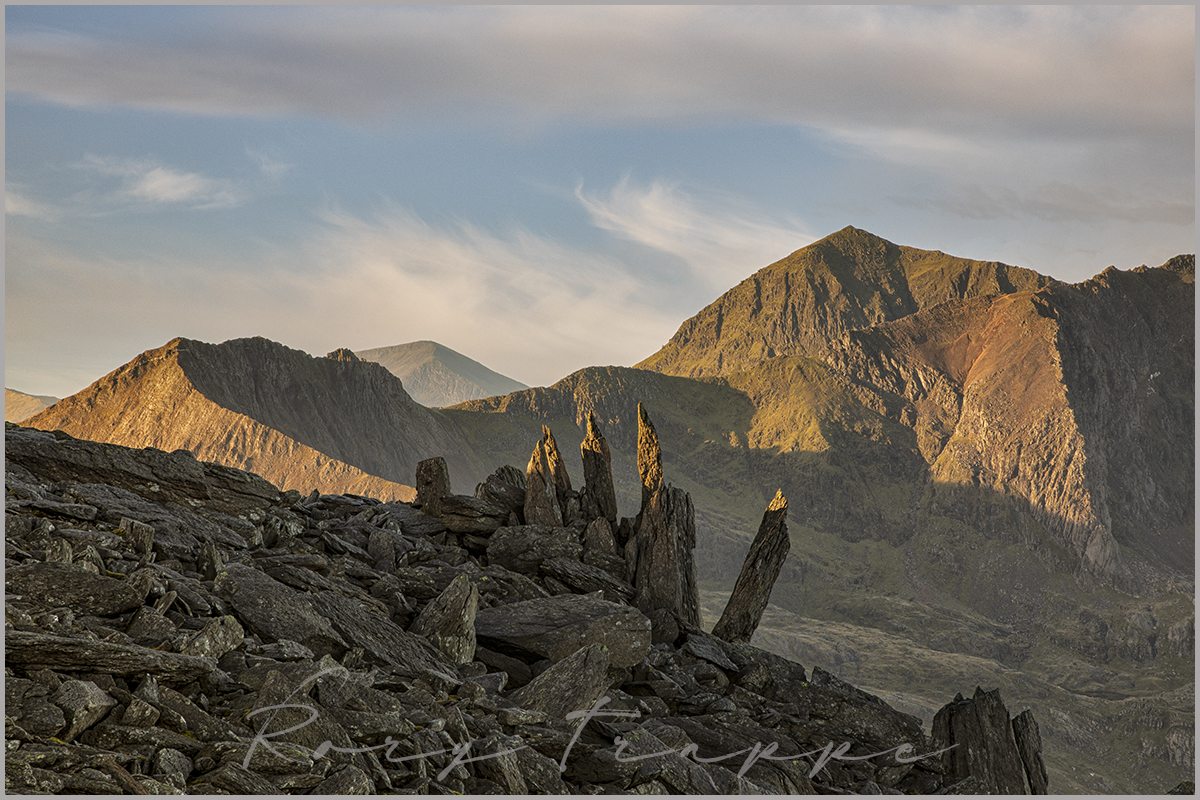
[19, 406]
[436, 376]
[336, 424]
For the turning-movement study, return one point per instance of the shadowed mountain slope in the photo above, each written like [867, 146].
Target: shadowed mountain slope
[337, 424]
[436, 376]
[19, 406]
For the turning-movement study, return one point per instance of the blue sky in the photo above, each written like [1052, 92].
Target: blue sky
[545, 188]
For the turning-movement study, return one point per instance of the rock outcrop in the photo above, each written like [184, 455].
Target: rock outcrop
[753, 588]
[443, 674]
[660, 555]
[541, 498]
[982, 745]
[599, 497]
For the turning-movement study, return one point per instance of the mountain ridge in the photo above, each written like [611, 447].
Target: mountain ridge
[989, 442]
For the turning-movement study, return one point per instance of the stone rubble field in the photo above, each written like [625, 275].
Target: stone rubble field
[167, 621]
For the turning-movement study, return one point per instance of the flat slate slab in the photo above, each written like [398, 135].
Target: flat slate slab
[556, 627]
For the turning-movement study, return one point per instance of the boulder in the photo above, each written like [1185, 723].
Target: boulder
[523, 548]
[449, 621]
[383, 642]
[504, 488]
[598, 538]
[54, 585]
[41, 650]
[585, 578]
[752, 590]
[83, 704]
[433, 483]
[573, 684]
[661, 555]
[556, 627]
[463, 514]
[274, 611]
[1029, 745]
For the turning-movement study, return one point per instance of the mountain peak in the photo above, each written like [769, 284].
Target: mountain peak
[436, 376]
[849, 280]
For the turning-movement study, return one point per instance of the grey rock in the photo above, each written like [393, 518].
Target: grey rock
[523, 548]
[598, 538]
[599, 499]
[1029, 745]
[218, 636]
[502, 766]
[271, 610]
[449, 621]
[53, 585]
[83, 704]
[236, 779]
[556, 627]
[433, 484]
[140, 714]
[149, 628]
[752, 591]
[210, 562]
[28, 704]
[663, 560]
[585, 578]
[573, 684]
[984, 746]
[383, 642]
[649, 457]
[541, 501]
[471, 515]
[39, 650]
[347, 780]
[505, 489]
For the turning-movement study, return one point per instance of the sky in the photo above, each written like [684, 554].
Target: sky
[544, 188]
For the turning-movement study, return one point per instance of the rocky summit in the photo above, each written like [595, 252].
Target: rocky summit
[182, 627]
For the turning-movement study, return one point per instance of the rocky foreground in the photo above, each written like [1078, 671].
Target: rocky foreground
[174, 626]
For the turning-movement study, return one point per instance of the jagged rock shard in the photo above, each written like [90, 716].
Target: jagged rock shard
[649, 456]
[1029, 744]
[573, 684]
[601, 497]
[984, 745]
[541, 500]
[433, 483]
[663, 553]
[752, 591]
[449, 620]
[558, 470]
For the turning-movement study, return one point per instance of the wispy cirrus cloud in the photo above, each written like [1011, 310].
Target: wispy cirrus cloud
[18, 204]
[149, 182]
[718, 240]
